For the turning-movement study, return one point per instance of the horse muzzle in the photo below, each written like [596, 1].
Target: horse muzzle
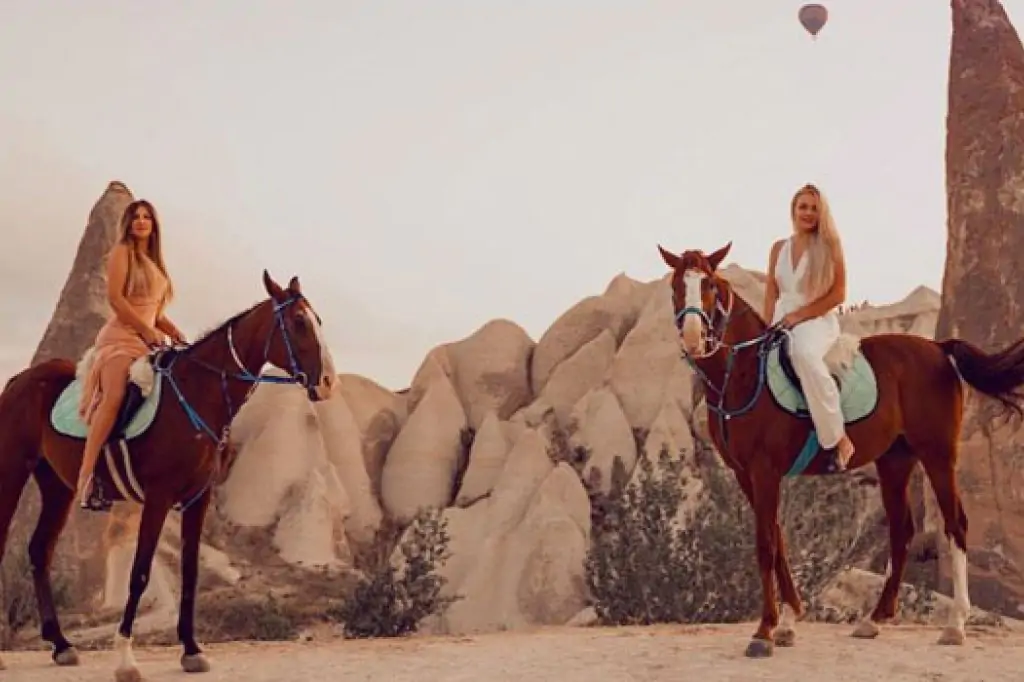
[322, 390]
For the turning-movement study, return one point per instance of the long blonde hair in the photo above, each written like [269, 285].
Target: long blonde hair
[139, 279]
[820, 273]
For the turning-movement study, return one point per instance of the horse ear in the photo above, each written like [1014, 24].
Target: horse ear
[671, 259]
[294, 286]
[273, 288]
[718, 256]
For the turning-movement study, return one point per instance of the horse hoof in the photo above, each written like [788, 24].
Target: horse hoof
[866, 629]
[759, 648]
[67, 657]
[785, 637]
[127, 675]
[951, 635]
[195, 663]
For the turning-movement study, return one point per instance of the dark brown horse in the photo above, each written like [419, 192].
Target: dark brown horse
[173, 462]
[915, 419]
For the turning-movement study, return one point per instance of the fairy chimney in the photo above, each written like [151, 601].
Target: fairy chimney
[82, 307]
[982, 287]
[80, 312]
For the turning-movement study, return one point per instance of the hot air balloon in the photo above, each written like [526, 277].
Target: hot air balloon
[813, 18]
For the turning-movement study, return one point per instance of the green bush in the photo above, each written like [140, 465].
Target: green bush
[18, 597]
[390, 600]
[645, 567]
[264, 618]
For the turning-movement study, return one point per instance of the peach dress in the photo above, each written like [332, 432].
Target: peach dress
[118, 339]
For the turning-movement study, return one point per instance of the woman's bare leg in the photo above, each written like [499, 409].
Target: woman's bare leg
[113, 384]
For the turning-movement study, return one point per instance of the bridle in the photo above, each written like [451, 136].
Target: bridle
[709, 330]
[714, 328]
[164, 361]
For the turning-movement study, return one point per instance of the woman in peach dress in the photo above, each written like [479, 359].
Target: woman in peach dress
[138, 289]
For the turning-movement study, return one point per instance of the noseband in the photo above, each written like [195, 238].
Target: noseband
[715, 333]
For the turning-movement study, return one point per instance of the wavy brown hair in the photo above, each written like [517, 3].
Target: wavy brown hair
[138, 279]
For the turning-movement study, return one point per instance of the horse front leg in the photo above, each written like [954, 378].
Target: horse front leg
[792, 607]
[765, 493]
[192, 658]
[154, 513]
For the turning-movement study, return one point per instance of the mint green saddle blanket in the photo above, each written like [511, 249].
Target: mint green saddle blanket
[135, 416]
[858, 387]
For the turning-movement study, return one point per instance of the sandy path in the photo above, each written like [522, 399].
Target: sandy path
[712, 653]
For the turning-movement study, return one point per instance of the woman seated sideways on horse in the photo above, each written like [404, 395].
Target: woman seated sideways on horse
[806, 283]
[138, 290]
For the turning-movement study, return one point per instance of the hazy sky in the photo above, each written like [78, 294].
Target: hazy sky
[427, 166]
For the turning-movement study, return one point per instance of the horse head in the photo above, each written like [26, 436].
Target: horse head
[295, 343]
[701, 299]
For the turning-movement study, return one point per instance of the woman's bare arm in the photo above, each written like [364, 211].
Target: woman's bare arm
[771, 289]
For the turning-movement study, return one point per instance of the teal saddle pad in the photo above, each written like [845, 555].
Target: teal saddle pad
[858, 387]
[135, 416]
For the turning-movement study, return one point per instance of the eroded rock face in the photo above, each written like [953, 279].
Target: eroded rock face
[983, 287]
[421, 465]
[310, 484]
[82, 307]
[78, 315]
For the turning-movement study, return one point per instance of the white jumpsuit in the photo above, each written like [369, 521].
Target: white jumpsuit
[809, 342]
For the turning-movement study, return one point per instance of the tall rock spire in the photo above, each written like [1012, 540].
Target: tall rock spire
[983, 283]
[82, 307]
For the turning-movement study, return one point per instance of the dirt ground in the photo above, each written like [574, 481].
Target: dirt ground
[713, 653]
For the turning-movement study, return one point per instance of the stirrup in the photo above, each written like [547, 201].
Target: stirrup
[95, 500]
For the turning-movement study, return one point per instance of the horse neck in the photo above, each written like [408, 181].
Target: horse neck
[247, 334]
[249, 338]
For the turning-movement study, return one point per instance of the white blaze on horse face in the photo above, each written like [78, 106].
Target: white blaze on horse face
[327, 371]
[692, 322]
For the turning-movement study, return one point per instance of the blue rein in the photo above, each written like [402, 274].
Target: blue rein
[296, 376]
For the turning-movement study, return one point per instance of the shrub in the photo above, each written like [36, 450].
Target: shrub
[248, 618]
[18, 597]
[392, 600]
[644, 566]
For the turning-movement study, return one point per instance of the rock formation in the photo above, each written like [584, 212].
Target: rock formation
[82, 307]
[509, 436]
[487, 431]
[80, 312]
[983, 283]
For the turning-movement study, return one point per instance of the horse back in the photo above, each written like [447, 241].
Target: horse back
[29, 395]
[917, 376]
[909, 355]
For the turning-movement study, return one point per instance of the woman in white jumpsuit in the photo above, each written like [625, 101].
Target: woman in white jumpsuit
[806, 282]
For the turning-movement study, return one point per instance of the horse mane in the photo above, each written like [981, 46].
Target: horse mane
[213, 331]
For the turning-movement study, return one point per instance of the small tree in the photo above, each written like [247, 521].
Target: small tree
[394, 597]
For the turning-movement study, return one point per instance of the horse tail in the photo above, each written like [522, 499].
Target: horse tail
[998, 375]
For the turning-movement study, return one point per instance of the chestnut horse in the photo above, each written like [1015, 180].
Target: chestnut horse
[174, 461]
[915, 419]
